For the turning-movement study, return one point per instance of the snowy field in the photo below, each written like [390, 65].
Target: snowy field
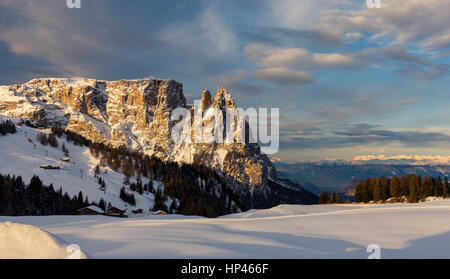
[287, 231]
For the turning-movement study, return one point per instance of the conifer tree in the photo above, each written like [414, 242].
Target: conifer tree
[359, 191]
[394, 187]
[413, 187]
[384, 188]
[102, 204]
[445, 187]
[337, 199]
[334, 198]
[375, 185]
[97, 170]
[323, 199]
[368, 190]
[404, 191]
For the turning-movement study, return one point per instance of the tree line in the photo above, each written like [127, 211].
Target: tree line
[7, 127]
[45, 139]
[411, 188]
[327, 198]
[20, 199]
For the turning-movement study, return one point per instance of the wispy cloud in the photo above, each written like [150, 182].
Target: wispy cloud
[284, 76]
[406, 102]
[366, 134]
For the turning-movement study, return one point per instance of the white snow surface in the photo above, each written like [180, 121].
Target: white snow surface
[286, 231]
[19, 241]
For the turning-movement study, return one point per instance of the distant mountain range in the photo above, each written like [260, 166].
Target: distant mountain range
[402, 160]
[339, 175]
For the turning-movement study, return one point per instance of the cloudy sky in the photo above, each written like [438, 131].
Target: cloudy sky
[349, 80]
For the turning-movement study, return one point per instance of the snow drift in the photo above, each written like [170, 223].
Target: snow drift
[19, 241]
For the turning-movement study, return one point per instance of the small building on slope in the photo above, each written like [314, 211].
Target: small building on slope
[116, 212]
[91, 210]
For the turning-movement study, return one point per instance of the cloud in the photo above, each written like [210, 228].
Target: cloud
[371, 133]
[423, 73]
[394, 29]
[293, 13]
[275, 57]
[235, 81]
[284, 76]
[436, 43]
[280, 36]
[100, 41]
[289, 127]
[82, 42]
[401, 54]
[406, 102]
[229, 77]
[334, 60]
[18, 68]
[298, 57]
[351, 106]
[367, 137]
[359, 129]
[208, 32]
[293, 65]
[414, 20]
[397, 22]
[421, 68]
[353, 36]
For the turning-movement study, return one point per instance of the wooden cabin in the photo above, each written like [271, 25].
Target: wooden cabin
[49, 167]
[65, 159]
[116, 212]
[138, 211]
[91, 210]
[159, 212]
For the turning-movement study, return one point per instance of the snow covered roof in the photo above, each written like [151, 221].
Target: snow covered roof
[94, 208]
[117, 207]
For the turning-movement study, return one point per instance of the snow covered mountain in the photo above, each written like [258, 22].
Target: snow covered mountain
[137, 114]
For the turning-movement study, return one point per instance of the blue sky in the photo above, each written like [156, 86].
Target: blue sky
[348, 80]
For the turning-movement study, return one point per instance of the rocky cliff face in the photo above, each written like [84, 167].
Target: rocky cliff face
[137, 114]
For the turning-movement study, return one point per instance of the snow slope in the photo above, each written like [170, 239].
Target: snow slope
[18, 241]
[21, 154]
[286, 231]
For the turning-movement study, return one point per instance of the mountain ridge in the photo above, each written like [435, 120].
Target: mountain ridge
[137, 114]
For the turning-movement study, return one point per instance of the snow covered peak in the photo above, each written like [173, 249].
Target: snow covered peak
[131, 113]
[206, 101]
[223, 99]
